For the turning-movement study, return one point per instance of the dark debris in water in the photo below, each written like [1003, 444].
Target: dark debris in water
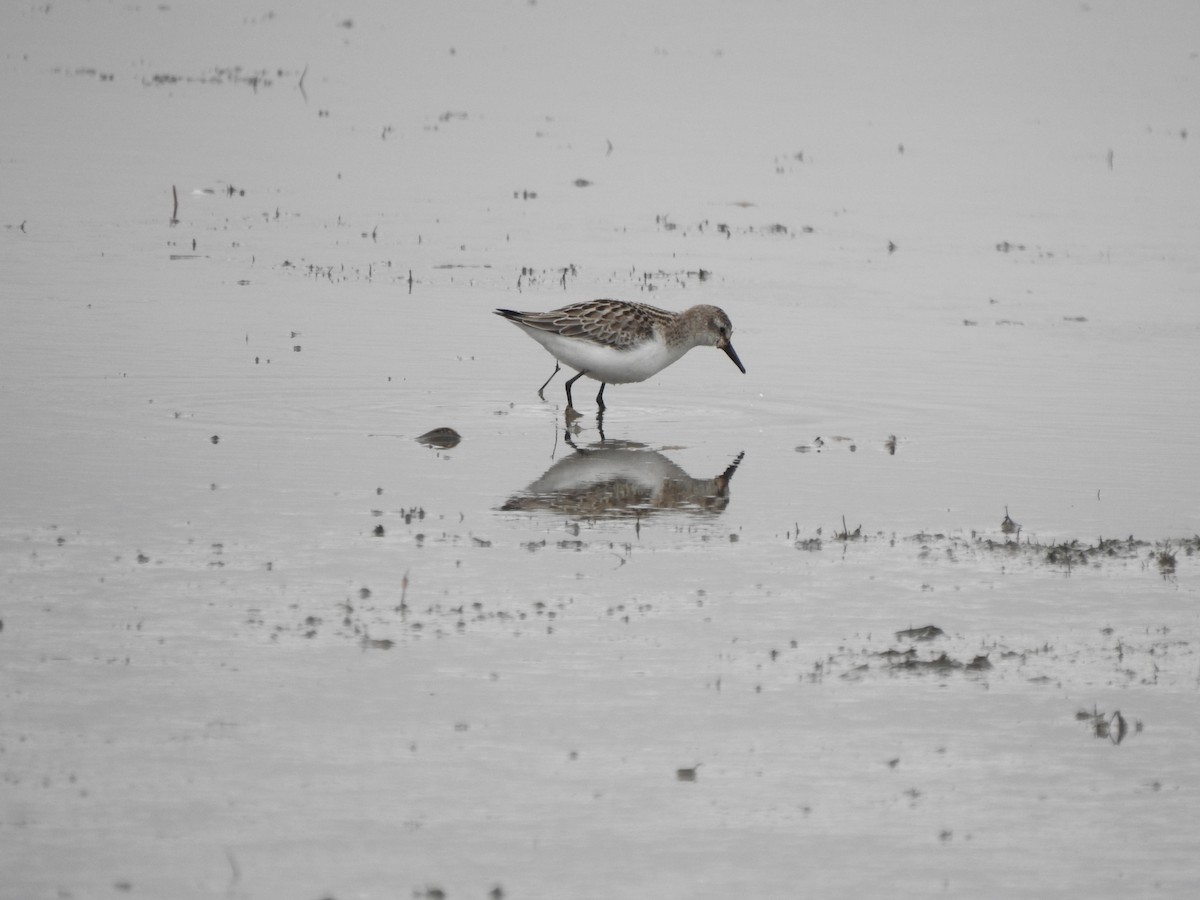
[729, 230]
[1162, 556]
[380, 618]
[942, 663]
[235, 75]
[924, 633]
[910, 660]
[443, 438]
[688, 774]
[1111, 726]
[1166, 561]
[820, 444]
[1138, 659]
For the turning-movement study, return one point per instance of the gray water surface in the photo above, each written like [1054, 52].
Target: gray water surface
[258, 640]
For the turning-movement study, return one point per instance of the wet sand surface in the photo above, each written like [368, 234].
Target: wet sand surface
[306, 592]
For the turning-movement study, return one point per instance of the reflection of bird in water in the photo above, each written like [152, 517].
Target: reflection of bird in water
[618, 480]
[615, 342]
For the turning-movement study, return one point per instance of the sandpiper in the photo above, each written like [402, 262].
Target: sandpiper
[616, 342]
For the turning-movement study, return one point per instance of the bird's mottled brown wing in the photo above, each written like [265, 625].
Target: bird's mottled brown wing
[614, 323]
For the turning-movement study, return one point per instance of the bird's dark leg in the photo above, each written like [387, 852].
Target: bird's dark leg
[548, 380]
[570, 402]
[600, 396]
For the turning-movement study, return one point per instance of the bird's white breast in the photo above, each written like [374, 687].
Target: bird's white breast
[609, 364]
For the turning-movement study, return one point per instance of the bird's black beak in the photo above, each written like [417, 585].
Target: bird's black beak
[732, 354]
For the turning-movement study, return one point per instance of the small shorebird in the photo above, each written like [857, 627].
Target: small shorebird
[615, 342]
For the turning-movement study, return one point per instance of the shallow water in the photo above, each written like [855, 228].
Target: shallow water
[258, 640]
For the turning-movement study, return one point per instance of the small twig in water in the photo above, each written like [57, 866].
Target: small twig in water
[1008, 526]
[845, 534]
